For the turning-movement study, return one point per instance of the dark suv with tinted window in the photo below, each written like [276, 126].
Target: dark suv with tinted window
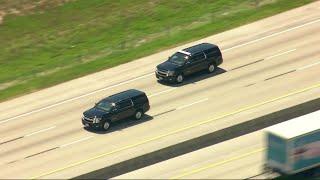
[130, 103]
[188, 61]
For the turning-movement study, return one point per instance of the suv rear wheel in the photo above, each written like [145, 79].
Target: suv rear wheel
[212, 68]
[180, 78]
[138, 114]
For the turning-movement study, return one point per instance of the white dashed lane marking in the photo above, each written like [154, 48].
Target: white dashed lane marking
[308, 66]
[161, 92]
[188, 105]
[77, 141]
[40, 131]
[280, 54]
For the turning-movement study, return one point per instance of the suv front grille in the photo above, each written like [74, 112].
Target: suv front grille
[162, 72]
[87, 119]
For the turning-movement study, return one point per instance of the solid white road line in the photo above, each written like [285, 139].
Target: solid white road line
[161, 92]
[140, 77]
[40, 131]
[188, 105]
[272, 35]
[308, 66]
[280, 54]
[73, 142]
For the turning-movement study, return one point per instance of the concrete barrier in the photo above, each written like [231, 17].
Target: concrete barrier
[203, 141]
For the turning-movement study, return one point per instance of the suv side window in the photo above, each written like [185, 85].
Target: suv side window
[217, 53]
[197, 57]
[139, 100]
[209, 53]
[124, 104]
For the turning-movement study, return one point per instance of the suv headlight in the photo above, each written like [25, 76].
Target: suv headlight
[170, 73]
[96, 120]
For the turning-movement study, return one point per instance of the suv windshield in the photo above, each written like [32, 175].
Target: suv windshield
[178, 58]
[104, 105]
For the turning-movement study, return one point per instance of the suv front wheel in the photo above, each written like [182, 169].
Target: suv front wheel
[180, 78]
[106, 125]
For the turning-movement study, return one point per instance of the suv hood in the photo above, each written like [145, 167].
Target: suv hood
[91, 113]
[167, 66]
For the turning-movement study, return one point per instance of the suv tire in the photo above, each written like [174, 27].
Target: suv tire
[179, 78]
[106, 125]
[212, 68]
[138, 114]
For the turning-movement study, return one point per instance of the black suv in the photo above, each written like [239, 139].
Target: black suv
[116, 107]
[188, 61]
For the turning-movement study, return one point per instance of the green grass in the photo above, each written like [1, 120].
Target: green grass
[57, 44]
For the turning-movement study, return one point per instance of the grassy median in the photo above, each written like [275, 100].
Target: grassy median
[41, 46]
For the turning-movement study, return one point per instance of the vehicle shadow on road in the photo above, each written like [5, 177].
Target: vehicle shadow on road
[120, 125]
[192, 79]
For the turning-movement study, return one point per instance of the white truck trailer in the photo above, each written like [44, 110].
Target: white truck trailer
[294, 145]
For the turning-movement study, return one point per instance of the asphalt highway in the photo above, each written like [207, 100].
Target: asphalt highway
[239, 158]
[268, 65]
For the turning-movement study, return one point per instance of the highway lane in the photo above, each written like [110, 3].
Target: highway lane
[232, 39]
[238, 158]
[56, 132]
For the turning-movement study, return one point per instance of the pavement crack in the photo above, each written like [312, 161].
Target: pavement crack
[11, 140]
[164, 112]
[279, 75]
[246, 65]
[250, 84]
[41, 152]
